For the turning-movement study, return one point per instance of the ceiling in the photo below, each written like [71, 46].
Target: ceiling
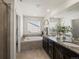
[45, 3]
[42, 7]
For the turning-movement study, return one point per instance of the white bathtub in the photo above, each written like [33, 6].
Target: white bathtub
[37, 38]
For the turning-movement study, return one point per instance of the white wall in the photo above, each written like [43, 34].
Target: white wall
[20, 13]
[21, 26]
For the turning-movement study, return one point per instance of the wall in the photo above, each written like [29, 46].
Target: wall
[20, 13]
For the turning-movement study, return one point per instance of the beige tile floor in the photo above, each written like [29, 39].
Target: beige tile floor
[32, 54]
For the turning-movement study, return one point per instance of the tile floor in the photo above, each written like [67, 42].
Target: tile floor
[32, 54]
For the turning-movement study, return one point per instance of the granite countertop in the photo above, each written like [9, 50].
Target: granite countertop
[73, 47]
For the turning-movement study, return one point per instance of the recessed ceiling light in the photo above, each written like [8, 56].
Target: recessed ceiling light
[48, 10]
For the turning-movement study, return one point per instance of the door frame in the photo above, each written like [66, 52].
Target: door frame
[12, 30]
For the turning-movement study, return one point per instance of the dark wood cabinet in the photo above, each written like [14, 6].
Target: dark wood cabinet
[51, 49]
[69, 54]
[46, 44]
[57, 51]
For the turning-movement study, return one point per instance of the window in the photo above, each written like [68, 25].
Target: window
[33, 26]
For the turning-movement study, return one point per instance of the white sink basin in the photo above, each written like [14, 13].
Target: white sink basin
[71, 44]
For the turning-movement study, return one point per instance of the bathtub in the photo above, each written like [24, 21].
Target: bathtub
[35, 38]
[31, 43]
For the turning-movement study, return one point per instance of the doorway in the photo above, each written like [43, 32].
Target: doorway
[18, 33]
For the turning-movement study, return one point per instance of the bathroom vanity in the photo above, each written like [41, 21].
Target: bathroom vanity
[60, 50]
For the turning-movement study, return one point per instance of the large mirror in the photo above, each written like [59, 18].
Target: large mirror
[70, 17]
